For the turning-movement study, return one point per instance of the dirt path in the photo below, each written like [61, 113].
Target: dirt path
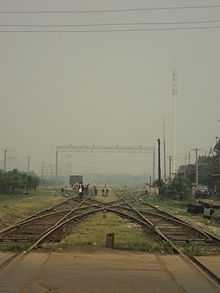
[101, 271]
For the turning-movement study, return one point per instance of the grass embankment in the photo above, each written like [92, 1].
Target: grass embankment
[174, 206]
[16, 207]
[92, 233]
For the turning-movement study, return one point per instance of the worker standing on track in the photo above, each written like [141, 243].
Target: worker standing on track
[81, 190]
[76, 187]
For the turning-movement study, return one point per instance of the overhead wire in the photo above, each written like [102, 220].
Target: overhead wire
[114, 24]
[116, 30]
[88, 11]
[184, 25]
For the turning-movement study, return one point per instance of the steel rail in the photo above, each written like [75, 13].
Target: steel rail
[69, 212]
[35, 216]
[142, 220]
[211, 276]
[32, 219]
[29, 220]
[38, 214]
[56, 227]
[23, 253]
[96, 209]
[65, 221]
[63, 218]
[183, 222]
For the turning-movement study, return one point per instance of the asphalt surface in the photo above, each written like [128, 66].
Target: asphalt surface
[104, 271]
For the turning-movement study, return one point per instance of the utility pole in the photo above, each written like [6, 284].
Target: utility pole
[159, 163]
[164, 151]
[174, 106]
[28, 163]
[5, 160]
[154, 164]
[185, 165]
[197, 166]
[56, 168]
[170, 167]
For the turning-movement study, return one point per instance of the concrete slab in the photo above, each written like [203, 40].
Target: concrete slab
[124, 272]
[98, 272]
[20, 272]
[212, 262]
[187, 276]
[4, 256]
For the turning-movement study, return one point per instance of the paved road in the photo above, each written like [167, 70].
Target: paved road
[101, 272]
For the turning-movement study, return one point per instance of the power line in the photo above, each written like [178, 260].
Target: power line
[113, 24]
[88, 11]
[117, 30]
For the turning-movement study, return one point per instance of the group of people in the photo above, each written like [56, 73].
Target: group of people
[87, 190]
[83, 189]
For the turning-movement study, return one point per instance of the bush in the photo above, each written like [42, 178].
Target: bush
[14, 180]
[179, 188]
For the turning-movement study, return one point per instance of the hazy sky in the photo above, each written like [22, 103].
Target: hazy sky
[106, 88]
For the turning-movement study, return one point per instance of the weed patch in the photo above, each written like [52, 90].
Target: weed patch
[128, 235]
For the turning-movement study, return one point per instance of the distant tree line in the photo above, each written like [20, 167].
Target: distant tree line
[15, 181]
[177, 188]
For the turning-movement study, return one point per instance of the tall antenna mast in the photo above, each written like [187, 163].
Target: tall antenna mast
[174, 98]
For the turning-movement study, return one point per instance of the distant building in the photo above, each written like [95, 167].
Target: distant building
[187, 171]
[209, 170]
[215, 168]
[76, 179]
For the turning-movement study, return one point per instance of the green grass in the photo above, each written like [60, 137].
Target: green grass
[194, 250]
[168, 203]
[176, 207]
[129, 236]
[15, 207]
[15, 247]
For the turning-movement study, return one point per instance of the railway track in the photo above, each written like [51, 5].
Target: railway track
[29, 228]
[53, 224]
[64, 205]
[169, 228]
[50, 224]
[180, 235]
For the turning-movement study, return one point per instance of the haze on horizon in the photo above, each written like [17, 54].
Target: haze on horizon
[106, 88]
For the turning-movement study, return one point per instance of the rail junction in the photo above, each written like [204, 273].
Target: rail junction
[52, 224]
